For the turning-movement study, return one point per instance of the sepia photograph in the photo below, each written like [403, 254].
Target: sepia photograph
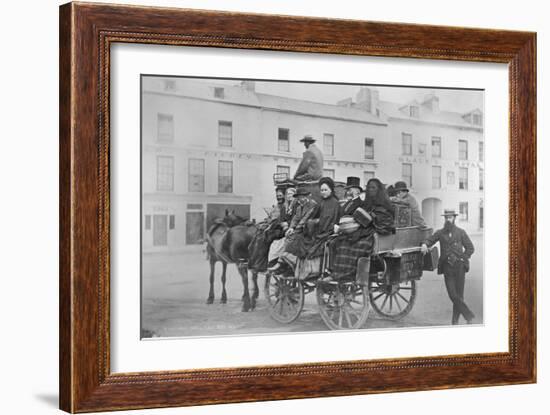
[271, 206]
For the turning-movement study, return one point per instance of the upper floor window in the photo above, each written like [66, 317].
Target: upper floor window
[225, 133]
[165, 173]
[463, 210]
[369, 148]
[406, 173]
[169, 85]
[481, 151]
[436, 177]
[219, 92]
[406, 141]
[481, 179]
[462, 150]
[436, 146]
[165, 128]
[225, 176]
[476, 119]
[414, 111]
[328, 144]
[196, 175]
[463, 178]
[283, 141]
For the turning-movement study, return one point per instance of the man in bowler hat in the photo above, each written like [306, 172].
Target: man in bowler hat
[311, 166]
[454, 262]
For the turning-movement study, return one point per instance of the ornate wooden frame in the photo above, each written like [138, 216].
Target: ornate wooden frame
[86, 33]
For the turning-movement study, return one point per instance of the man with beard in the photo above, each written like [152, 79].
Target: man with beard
[456, 250]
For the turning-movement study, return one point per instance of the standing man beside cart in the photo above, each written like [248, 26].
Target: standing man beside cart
[454, 262]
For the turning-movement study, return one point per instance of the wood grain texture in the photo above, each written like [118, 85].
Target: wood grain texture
[86, 33]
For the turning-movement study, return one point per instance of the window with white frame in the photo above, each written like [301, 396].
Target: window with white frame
[283, 140]
[369, 148]
[406, 144]
[225, 176]
[436, 146]
[436, 177]
[462, 150]
[328, 144]
[225, 133]
[165, 173]
[463, 211]
[463, 178]
[196, 175]
[165, 128]
[406, 173]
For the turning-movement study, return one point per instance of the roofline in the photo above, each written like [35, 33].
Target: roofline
[261, 107]
[417, 120]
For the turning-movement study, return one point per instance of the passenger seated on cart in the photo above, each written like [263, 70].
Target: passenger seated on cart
[353, 186]
[277, 247]
[403, 197]
[375, 215]
[304, 209]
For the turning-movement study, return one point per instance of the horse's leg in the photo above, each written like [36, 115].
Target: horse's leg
[243, 270]
[256, 292]
[210, 298]
[224, 294]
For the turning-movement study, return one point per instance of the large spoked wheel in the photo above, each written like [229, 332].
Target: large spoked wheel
[343, 305]
[392, 300]
[285, 296]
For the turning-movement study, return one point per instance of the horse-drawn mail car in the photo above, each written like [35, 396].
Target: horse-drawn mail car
[385, 281]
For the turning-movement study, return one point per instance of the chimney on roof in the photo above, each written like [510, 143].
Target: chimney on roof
[249, 86]
[431, 101]
[348, 102]
[367, 99]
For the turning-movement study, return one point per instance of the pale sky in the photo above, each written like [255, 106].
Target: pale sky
[449, 99]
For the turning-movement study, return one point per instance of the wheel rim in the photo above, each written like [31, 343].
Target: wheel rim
[392, 301]
[343, 306]
[285, 297]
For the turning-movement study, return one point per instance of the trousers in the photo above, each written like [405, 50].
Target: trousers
[455, 278]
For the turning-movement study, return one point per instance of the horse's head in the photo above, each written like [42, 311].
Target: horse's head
[232, 219]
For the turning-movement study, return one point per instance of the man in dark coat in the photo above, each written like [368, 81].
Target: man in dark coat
[403, 197]
[311, 166]
[353, 185]
[456, 250]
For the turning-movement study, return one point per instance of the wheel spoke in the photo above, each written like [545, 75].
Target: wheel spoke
[398, 304]
[384, 302]
[404, 299]
[348, 320]
[340, 317]
[378, 296]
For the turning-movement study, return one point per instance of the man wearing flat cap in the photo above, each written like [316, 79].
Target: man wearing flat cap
[311, 166]
[454, 262]
[403, 197]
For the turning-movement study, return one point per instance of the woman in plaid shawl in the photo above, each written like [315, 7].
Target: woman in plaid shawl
[347, 249]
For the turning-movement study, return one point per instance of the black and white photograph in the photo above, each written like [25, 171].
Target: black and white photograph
[277, 206]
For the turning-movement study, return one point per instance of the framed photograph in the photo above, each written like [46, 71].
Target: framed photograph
[258, 207]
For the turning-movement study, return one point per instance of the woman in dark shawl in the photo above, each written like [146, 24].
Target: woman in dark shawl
[326, 216]
[347, 249]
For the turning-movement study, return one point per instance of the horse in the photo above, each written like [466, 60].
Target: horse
[230, 241]
[227, 242]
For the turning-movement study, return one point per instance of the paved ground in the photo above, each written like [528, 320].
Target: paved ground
[175, 287]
